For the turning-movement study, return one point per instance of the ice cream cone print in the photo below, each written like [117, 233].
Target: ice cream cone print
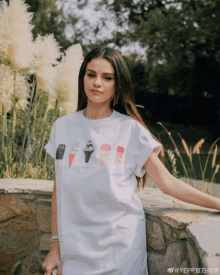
[119, 154]
[72, 153]
[88, 151]
[104, 152]
[60, 152]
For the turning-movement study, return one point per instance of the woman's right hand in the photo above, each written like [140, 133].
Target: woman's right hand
[52, 260]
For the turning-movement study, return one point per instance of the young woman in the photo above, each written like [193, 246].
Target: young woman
[101, 153]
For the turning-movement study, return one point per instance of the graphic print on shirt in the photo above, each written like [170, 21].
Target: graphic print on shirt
[88, 151]
[60, 152]
[72, 153]
[119, 154]
[104, 152]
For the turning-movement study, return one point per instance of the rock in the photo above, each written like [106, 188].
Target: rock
[193, 257]
[155, 263]
[45, 243]
[17, 239]
[155, 235]
[33, 265]
[11, 206]
[32, 206]
[176, 254]
[44, 218]
[179, 234]
[168, 231]
[16, 268]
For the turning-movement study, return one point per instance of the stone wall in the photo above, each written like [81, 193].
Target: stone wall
[181, 237]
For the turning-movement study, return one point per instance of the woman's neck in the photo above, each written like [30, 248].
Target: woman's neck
[92, 112]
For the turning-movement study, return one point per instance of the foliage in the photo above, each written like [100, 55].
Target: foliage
[48, 18]
[180, 37]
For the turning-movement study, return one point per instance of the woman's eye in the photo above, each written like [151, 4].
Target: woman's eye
[91, 75]
[108, 78]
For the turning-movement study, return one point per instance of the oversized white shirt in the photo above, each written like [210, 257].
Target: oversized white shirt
[101, 222]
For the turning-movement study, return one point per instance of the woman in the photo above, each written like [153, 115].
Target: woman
[101, 153]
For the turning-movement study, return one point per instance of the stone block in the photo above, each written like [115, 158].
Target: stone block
[33, 265]
[11, 206]
[180, 219]
[44, 218]
[156, 264]
[17, 239]
[168, 231]
[175, 255]
[27, 197]
[207, 239]
[193, 257]
[155, 235]
[44, 200]
[45, 243]
[32, 206]
[179, 234]
[184, 268]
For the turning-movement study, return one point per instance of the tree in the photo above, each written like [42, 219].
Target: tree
[48, 18]
[181, 39]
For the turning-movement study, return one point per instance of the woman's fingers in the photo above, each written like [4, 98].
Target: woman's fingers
[49, 269]
[59, 272]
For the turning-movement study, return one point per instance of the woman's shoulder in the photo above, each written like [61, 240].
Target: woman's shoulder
[63, 120]
[128, 119]
[124, 117]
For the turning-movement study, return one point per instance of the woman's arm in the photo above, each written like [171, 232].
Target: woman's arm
[175, 187]
[54, 230]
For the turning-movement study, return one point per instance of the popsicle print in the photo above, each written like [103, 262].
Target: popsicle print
[72, 153]
[119, 154]
[60, 152]
[104, 152]
[88, 151]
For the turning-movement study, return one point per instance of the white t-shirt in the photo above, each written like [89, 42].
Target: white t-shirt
[101, 222]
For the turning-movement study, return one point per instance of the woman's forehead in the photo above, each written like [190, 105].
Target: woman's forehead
[100, 65]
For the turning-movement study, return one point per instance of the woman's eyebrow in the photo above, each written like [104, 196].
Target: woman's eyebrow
[95, 72]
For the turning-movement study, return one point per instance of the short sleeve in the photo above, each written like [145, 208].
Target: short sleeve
[144, 148]
[50, 146]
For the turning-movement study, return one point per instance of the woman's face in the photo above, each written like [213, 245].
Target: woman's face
[99, 81]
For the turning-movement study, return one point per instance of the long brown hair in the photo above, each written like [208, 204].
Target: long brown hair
[123, 100]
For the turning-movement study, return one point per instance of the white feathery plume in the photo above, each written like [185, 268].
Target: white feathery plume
[47, 50]
[51, 100]
[66, 81]
[15, 33]
[6, 86]
[7, 83]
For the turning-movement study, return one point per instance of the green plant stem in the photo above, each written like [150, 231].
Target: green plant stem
[209, 154]
[13, 122]
[26, 124]
[202, 175]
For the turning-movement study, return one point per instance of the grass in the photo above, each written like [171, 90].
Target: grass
[190, 152]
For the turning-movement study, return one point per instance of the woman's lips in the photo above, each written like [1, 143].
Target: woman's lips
[96, 92]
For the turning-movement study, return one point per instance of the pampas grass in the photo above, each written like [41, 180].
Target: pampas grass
[7, 88]
[66, 81]
[15, 34]
[52, 81]
[46, 53]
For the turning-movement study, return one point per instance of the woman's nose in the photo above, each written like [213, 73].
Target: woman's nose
[98, 81]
